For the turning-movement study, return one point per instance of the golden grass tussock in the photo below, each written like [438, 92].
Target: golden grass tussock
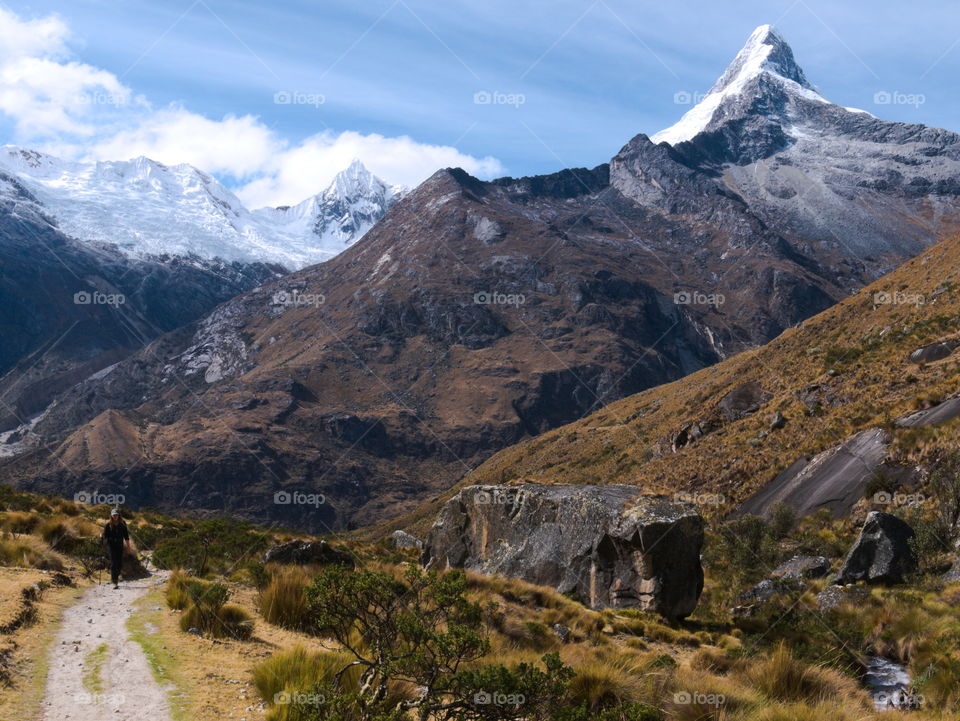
[28, 552]
[283, 602]
[781, 677]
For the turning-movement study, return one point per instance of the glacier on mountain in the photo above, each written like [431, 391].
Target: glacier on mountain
[146, 208]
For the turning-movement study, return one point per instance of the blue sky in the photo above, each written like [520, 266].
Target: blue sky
[574, 80]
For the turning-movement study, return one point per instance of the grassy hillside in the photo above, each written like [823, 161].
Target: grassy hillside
[786, 662]
[856, 354]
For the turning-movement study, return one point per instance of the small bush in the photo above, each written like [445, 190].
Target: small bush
[298, 669]
[66, 534]
[206, 609]
[602, 683]
[20, 521]
[177, 597]
[213, 545]
[284, 600]
[781, 677]
[27, 554]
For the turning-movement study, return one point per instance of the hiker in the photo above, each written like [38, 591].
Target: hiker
[116, 537]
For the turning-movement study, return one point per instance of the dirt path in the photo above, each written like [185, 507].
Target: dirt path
[114, 683]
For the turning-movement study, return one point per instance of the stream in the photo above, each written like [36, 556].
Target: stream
[889, 683]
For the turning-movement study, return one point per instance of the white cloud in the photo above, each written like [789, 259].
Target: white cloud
[42, 91]
[80, 111]
[239, 146]
[302, 170]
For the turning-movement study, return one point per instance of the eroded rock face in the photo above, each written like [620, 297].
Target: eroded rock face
[602, 543]
[882, 552]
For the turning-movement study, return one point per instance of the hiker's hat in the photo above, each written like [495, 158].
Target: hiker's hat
[115, 512]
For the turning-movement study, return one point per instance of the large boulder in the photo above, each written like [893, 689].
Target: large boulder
[402, 539]
[743, 400]
[881, 554]
[606, 544]
[935, 351]
[308, 553]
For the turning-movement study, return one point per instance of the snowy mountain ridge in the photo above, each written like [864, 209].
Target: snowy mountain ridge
[146, 208]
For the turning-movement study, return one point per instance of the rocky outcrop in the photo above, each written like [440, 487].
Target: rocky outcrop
[932, 416]
[402, 539]
[603, 543]
[934, 351]
[743, 400]
[801, 567]
[787, 578]
[308, 553]
[834, 479]
[835, 596]
[882, 553]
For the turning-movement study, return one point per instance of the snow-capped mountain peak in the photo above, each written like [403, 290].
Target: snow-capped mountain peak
[765, 55]
[765, 51]
[146, 208]
[348, 208]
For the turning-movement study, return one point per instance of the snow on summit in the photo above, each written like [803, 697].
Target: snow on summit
[766, 52]
[146, 208]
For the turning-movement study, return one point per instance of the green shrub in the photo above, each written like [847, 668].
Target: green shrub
[214, 545]
[206, 609]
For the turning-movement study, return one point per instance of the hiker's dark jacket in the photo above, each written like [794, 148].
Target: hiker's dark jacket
[115, 535]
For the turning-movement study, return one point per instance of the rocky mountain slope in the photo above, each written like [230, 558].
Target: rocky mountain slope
[100, 258]
[855, 402]
[475, 314]
[69, 309]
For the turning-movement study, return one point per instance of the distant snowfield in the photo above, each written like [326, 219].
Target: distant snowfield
[146, 208]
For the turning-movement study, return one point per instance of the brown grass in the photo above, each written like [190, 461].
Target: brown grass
[284, 600]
